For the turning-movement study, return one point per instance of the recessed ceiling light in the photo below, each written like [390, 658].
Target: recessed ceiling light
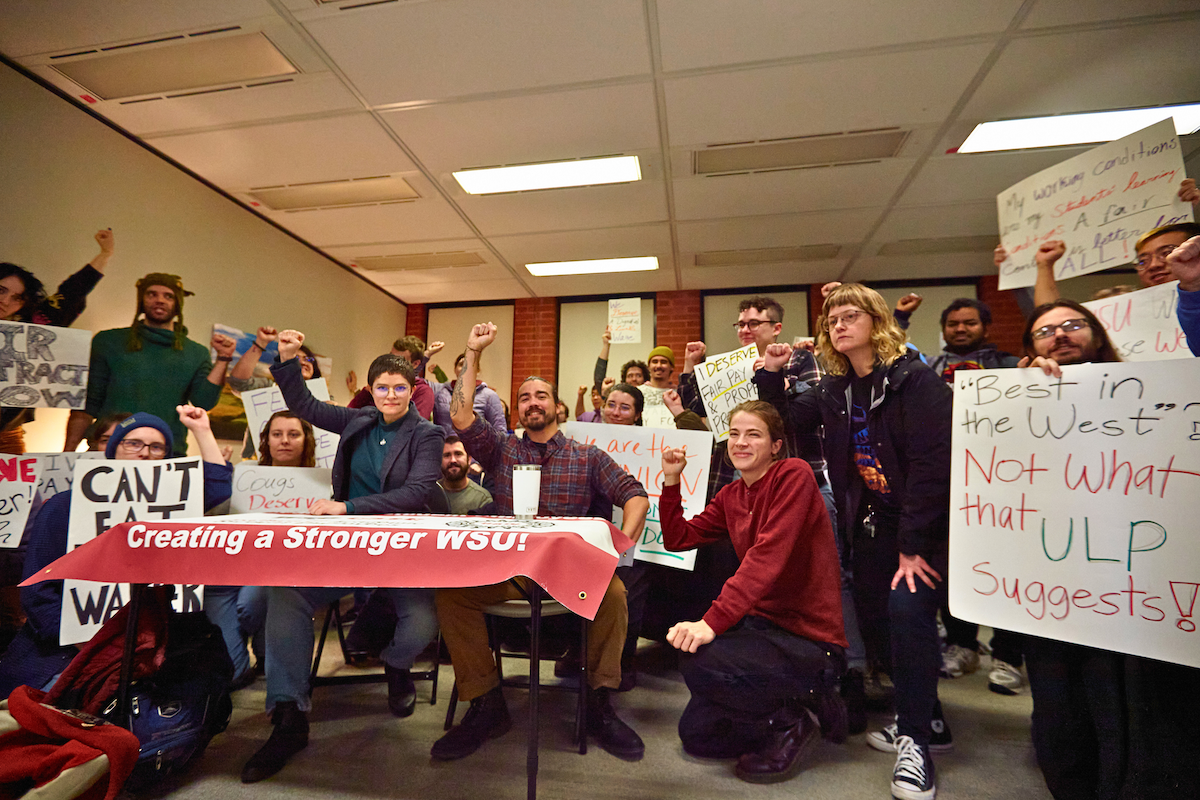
[599, 265]
[551, 175]
[1100, 126]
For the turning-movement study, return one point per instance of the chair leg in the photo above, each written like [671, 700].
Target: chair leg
[437, 668]
[336, 610]
[581, 708]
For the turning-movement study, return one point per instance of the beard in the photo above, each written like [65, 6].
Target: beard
[535, 423]
[159, 316]
[454, 472]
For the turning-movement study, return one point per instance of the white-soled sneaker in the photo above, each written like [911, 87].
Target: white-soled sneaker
[1005, 678]
[958, 661]
[912, 779]
[940, 739]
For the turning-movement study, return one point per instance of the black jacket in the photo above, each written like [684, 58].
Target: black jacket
[411, 467]
[909, 420]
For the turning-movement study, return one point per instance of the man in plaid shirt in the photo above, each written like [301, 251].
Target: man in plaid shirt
[575, 479]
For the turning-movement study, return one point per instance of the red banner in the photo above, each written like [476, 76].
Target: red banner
[571, 558]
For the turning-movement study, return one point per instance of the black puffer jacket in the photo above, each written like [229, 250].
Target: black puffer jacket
[909, 421]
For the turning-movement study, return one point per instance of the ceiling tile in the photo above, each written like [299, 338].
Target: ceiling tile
[639, 240]
[1070, 12]
[458, 292]
[979, 176]
[898, 268]
[410, 52]
[566, 209]
[441, 277]
[778, 230]
[925, 222]
[622, 284]
[787, 274]
[428, 218]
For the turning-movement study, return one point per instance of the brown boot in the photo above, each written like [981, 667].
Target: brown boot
[779, 759]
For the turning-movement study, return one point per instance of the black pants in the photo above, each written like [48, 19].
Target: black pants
[743, 677]
[1007, 646]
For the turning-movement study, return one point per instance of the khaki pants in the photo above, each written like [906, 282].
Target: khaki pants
[460, 614]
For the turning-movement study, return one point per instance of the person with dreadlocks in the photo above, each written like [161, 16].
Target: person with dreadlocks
[152, 366]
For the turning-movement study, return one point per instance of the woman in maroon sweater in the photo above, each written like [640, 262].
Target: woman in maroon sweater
[767, 653]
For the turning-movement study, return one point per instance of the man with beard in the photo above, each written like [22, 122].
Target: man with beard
[152, 366]
[464, 494]
[965, 328]
[655, 414]
[576, 478]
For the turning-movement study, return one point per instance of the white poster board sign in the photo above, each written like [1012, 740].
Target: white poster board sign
[18, 482]
[105, 493]
[1073, 505]
[262, 403]
[43, 366]
[1143, 325]
[725, 381]
[639, 452]
[278, 490]
[1098, 203]
[56, 471]
[625, 320]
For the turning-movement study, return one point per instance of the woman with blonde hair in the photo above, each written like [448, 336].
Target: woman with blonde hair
[886, 419]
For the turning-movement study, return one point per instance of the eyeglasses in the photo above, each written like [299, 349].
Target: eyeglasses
[847, 319]
[134, 446]
[1146, 259]
[752, 324]
[384, 391]
[307, 360]
[1066, 326]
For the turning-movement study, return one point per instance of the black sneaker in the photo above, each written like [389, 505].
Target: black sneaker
[402, 693]
[487, 718]
[613, 735]
[912, 778]
[940, 738]
[289, 737]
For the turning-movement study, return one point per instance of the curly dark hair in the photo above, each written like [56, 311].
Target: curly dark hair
[35, 291]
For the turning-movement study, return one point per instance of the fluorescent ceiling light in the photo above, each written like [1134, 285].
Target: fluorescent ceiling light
[553, 175]
[1100, 126]
[593, 267]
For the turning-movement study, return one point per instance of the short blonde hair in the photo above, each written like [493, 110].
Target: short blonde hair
[888, 340]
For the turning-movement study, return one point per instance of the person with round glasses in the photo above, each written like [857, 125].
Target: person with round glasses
[1064, 332]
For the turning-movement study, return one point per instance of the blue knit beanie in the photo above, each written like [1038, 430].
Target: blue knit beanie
[139, 420]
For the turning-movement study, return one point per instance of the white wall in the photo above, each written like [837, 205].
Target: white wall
[721, 311]
[580, 328]
[65, 175]
[451, 325]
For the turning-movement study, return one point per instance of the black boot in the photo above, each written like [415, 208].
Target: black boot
[487, 718]
[780, 758]
[289, 737]
[831, 713]
[614, 735]
[402, 694]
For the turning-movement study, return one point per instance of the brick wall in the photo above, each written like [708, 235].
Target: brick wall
[677, 319]
[417, 323]
[1007, 320]
[535, 342]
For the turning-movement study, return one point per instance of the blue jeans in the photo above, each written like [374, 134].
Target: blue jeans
[240, 612]
[290, 636]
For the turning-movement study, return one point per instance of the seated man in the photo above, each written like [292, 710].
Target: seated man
[387, 462]
[573, 475]
[463, 494]
[769, 650]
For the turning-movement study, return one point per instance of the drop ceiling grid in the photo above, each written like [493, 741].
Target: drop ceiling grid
[953, 219]
[635, 240]
[413, 52]
[1049, 13]
[456, 292]
[925, 267]
[567, 209]
[440, 277]
[787, 274]
[348, 253]
[429, 218]
[774, 230]
[614, 285]
[978, 176]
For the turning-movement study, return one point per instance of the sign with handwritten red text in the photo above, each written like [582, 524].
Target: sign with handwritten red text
[1098, 203]
[625, 320]
[262, 403]
[278, 490]
[639, 452]
[1143, 325]
[1073, 505]
[724, 381]
[18, 481]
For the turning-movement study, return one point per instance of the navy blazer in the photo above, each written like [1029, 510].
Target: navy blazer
[411, 466]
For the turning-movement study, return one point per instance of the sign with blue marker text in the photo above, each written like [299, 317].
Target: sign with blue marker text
[1073, 505]
[1098, 203]
[43, 366]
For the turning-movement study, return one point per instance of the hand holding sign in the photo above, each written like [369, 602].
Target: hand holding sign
[1188, 192]
[1184, 263]
[289, 344]
[324, 508]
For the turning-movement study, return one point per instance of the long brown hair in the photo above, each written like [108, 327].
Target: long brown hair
[1105, 352]
[308, 456]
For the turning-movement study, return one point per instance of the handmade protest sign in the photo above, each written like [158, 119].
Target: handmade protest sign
[1073, 505]
[639, 452]
[56, 471]
[1143, 325]
[625, 320]
[262, 403]
[105, 493]
[725, 381]
[43, 366]
[1098, 203]
[572, 558]
[278, 490]
[18, 482]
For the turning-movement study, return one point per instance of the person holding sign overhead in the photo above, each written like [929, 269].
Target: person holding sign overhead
[763, 662]
[35, 656]
[886, 419]
[388, 462]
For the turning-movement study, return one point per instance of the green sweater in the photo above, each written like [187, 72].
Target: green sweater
[154, 379]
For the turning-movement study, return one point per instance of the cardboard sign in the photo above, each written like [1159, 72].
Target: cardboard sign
[1098, 203]
[262, 403]
[572, 558]
[625, 320]
[105, 493]
[639, 452]
[1073, 505]
[42, 366]
[725, 381]
[278, 490]
[18, 482]
[56, 471]
[1143, 325]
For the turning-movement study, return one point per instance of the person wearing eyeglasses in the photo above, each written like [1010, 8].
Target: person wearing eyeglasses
[35, 656]
[388, 461]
